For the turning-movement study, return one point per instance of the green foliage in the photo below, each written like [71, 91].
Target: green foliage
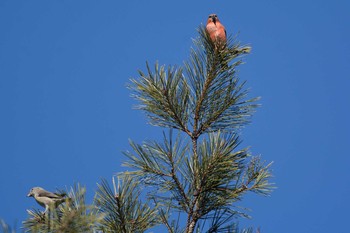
[164, 96]
[222, 173]
[122, 210]
[204, 96]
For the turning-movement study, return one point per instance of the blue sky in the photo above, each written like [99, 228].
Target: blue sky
[66, 115]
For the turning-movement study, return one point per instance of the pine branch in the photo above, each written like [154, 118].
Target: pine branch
[257, 177]
[164, 96]
[179, 186]
[123, 211]
[220, 101]
[159, 164]
[212, 100]
[164, 218]
[219, 166]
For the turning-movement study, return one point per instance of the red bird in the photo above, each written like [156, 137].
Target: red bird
[216, 30]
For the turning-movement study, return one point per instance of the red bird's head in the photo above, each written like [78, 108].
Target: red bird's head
[213, 18]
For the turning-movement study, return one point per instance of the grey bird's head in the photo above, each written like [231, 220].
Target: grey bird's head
[34, 191]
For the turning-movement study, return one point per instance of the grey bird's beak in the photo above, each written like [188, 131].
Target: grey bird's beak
[29, 194]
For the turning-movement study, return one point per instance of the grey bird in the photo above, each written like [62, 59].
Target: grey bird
[45, 198]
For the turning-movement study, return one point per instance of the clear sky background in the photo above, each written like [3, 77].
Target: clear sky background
[66, 114]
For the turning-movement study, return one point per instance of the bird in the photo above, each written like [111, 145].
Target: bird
[45, 198]
[216, 30]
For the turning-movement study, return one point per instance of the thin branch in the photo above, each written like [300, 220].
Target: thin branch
[177, 182]
[165, 221]
[207, 83]
[176, 117]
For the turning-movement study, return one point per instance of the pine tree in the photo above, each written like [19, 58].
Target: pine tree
[193, 179]
[199, 173]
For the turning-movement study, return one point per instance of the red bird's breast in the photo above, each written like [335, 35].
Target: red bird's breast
[215, 29]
